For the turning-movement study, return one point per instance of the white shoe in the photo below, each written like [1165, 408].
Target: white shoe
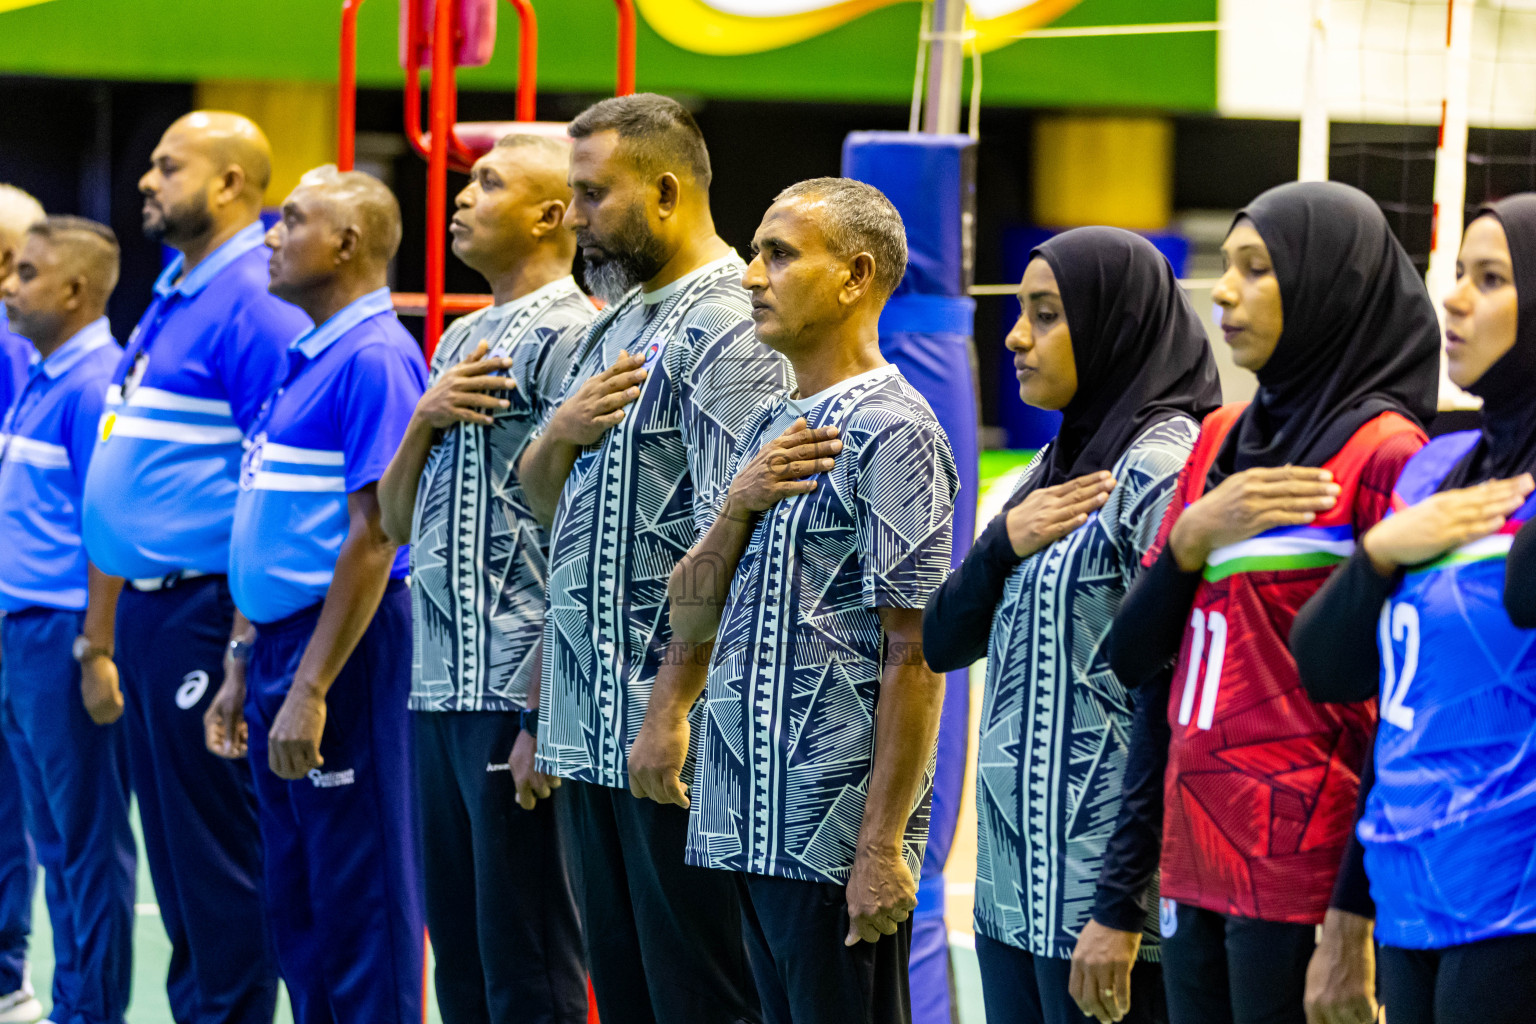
[20, 1007]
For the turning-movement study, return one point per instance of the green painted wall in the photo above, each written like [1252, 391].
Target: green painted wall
[869, 59]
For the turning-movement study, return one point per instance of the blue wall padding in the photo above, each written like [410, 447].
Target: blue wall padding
[926, 331]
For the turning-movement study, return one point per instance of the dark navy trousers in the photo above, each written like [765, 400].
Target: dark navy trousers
[198, 810]
[499, 907]
[663, 938]
[18, 875]
[74, 781]
[794, 932]
[340, 847]
[1018, 987]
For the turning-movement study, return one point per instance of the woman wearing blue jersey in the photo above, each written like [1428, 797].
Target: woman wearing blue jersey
[1438, 604]
[1107, 336]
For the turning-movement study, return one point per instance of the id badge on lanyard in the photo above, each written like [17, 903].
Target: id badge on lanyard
[138, 353]
[139, 341]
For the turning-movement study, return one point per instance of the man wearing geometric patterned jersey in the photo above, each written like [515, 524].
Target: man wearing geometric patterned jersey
[627, 471]
[814, 783]
[1322, 302]
[499, 906]
[1442, 595]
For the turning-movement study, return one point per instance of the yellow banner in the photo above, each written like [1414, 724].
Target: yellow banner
[725, 28]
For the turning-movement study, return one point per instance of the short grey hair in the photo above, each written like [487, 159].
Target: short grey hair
[857, 217]
[560, 148]
[658, 133]
[366, 198]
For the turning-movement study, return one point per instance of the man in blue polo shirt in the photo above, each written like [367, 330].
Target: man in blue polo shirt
[158, 505]
[59, 697]
[311, 564]
[18, 861]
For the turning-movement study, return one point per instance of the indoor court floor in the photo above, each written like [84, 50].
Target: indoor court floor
[152, 951]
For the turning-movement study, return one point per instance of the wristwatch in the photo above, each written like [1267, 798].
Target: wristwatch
[84, 650]
[528, 721]
[239, 650]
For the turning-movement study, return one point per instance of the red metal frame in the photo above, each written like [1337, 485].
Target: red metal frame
[625, 86]
[441, 146]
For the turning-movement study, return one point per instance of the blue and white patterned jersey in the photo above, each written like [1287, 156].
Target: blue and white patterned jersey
[636, 501]
[1055, 721]
[1448, 825]
[478, 555]
[794, 681]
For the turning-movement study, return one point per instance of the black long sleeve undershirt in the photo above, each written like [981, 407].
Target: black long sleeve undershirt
[1131, 856]
[1334, 643]
[958, 620]
[1352, 889]
[1149, 626]
[1334, 636]
[1520, 578]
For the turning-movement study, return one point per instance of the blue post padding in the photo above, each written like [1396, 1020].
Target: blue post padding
[926, 331]
[926, 177]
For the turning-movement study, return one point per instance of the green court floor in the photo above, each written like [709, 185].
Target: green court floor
[152, 954]
[152, 951]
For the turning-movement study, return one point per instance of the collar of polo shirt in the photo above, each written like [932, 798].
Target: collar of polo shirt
[318, 339]
[243, 241]
[85, 341]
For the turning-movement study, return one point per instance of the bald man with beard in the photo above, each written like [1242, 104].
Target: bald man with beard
[159, 503]
[312, 565]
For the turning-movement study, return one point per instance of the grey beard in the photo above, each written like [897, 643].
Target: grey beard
[611, 279]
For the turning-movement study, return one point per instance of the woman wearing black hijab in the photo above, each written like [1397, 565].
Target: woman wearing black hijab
[1107, 336]
[1322, 303]
[1439, 602]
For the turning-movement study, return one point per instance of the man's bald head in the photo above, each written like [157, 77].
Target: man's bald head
[513, 210]
[64, 275]
[18, 212]
[228, 139]
[360, 202]
[339, 231]
[208, 176]
[542, 160]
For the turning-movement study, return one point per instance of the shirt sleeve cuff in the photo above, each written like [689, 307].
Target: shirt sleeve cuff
[1119, 910]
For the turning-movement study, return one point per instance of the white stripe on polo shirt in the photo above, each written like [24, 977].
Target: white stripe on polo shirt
[268, 477]
[169, 430]
[271, 452]
[266, 480]
[39, 454]
[170, 401]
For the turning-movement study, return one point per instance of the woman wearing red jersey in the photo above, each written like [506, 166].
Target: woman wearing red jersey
[1323, 304]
